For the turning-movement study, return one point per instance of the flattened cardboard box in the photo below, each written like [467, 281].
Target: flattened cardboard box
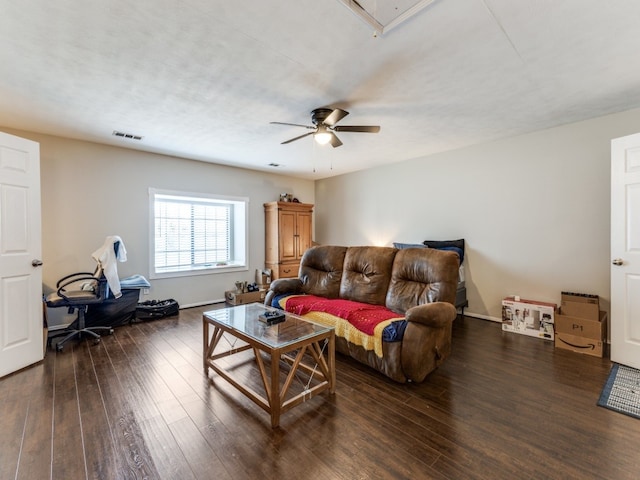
[580, 305]
[581, 335]
[235, 298]
[528, 317]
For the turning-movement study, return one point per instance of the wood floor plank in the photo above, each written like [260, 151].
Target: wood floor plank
[69, 459]
[99, 442]
[35, 459]
[163, 448]
[202, 459]
[15, 412]
[222, 441]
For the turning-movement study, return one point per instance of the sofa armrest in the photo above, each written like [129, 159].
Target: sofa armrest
[436, 314]
[282, 286]
[427, 339]
[286, 285]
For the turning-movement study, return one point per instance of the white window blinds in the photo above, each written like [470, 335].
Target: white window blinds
[196, 232]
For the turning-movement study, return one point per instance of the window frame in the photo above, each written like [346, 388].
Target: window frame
[240, 238]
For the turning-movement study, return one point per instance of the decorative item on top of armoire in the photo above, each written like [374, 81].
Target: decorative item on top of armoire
[288, 234]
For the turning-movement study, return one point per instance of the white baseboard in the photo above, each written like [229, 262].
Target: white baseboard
[200, 304]
[53, 328]
[483, 317]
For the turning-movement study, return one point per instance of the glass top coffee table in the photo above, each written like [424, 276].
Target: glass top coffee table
[289, 344]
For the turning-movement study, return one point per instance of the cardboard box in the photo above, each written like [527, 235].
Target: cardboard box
[528, 317]
[580, 305]
[581, 335]
[234, 298]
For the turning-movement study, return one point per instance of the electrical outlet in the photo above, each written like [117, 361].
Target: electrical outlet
[145, 291]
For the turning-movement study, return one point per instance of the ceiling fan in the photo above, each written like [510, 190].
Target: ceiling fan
[325, 120]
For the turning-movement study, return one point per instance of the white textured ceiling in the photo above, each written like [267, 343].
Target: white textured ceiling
[202, 79]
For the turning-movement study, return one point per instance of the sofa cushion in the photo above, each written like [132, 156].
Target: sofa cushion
[321, 270]
[422, 275]
[366, 274]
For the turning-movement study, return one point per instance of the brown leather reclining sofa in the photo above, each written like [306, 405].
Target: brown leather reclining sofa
[417, 283]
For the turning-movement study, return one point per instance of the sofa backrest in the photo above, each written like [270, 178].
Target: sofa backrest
[422, 275]
[367, 273]
[398, 279]
[321, 270]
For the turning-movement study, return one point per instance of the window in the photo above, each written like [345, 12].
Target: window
[194, 234]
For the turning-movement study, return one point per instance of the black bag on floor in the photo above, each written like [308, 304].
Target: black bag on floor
[153, 309]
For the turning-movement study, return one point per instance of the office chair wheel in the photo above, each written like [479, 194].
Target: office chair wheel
[96, 341]
[59, 347]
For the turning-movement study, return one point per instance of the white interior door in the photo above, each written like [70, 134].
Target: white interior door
[21, 341]
[625, 250]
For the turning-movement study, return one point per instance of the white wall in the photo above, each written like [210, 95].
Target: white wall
[533, 209]
[90, 191]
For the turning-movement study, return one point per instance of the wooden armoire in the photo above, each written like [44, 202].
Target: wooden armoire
[288, 234]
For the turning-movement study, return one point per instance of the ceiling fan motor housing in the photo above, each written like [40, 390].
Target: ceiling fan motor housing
[319, 115]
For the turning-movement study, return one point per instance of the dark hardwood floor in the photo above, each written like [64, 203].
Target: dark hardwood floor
[138, 405]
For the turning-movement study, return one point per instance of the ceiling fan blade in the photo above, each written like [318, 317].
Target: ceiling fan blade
[335, 116]
[357, 128]
[292, 125]
[335, 141]
[297, 138]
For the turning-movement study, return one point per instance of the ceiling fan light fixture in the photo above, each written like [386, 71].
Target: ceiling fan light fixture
[322, 137]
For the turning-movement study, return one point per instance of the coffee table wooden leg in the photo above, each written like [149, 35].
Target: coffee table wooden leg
[205, 346]
[274, 395]
[331, 357]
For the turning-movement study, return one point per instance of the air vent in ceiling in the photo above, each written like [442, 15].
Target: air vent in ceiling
[383, 16]
[130, 136]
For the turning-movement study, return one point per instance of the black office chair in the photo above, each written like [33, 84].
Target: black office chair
[76, 292]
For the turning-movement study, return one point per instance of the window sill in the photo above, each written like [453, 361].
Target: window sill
[213, 270]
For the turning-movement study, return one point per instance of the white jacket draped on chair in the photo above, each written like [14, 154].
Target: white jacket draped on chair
[108, 259]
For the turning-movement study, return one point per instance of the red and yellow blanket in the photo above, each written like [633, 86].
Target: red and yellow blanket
[359, 323]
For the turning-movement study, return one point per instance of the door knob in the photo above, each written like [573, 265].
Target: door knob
[36, 263]
[617, 262]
